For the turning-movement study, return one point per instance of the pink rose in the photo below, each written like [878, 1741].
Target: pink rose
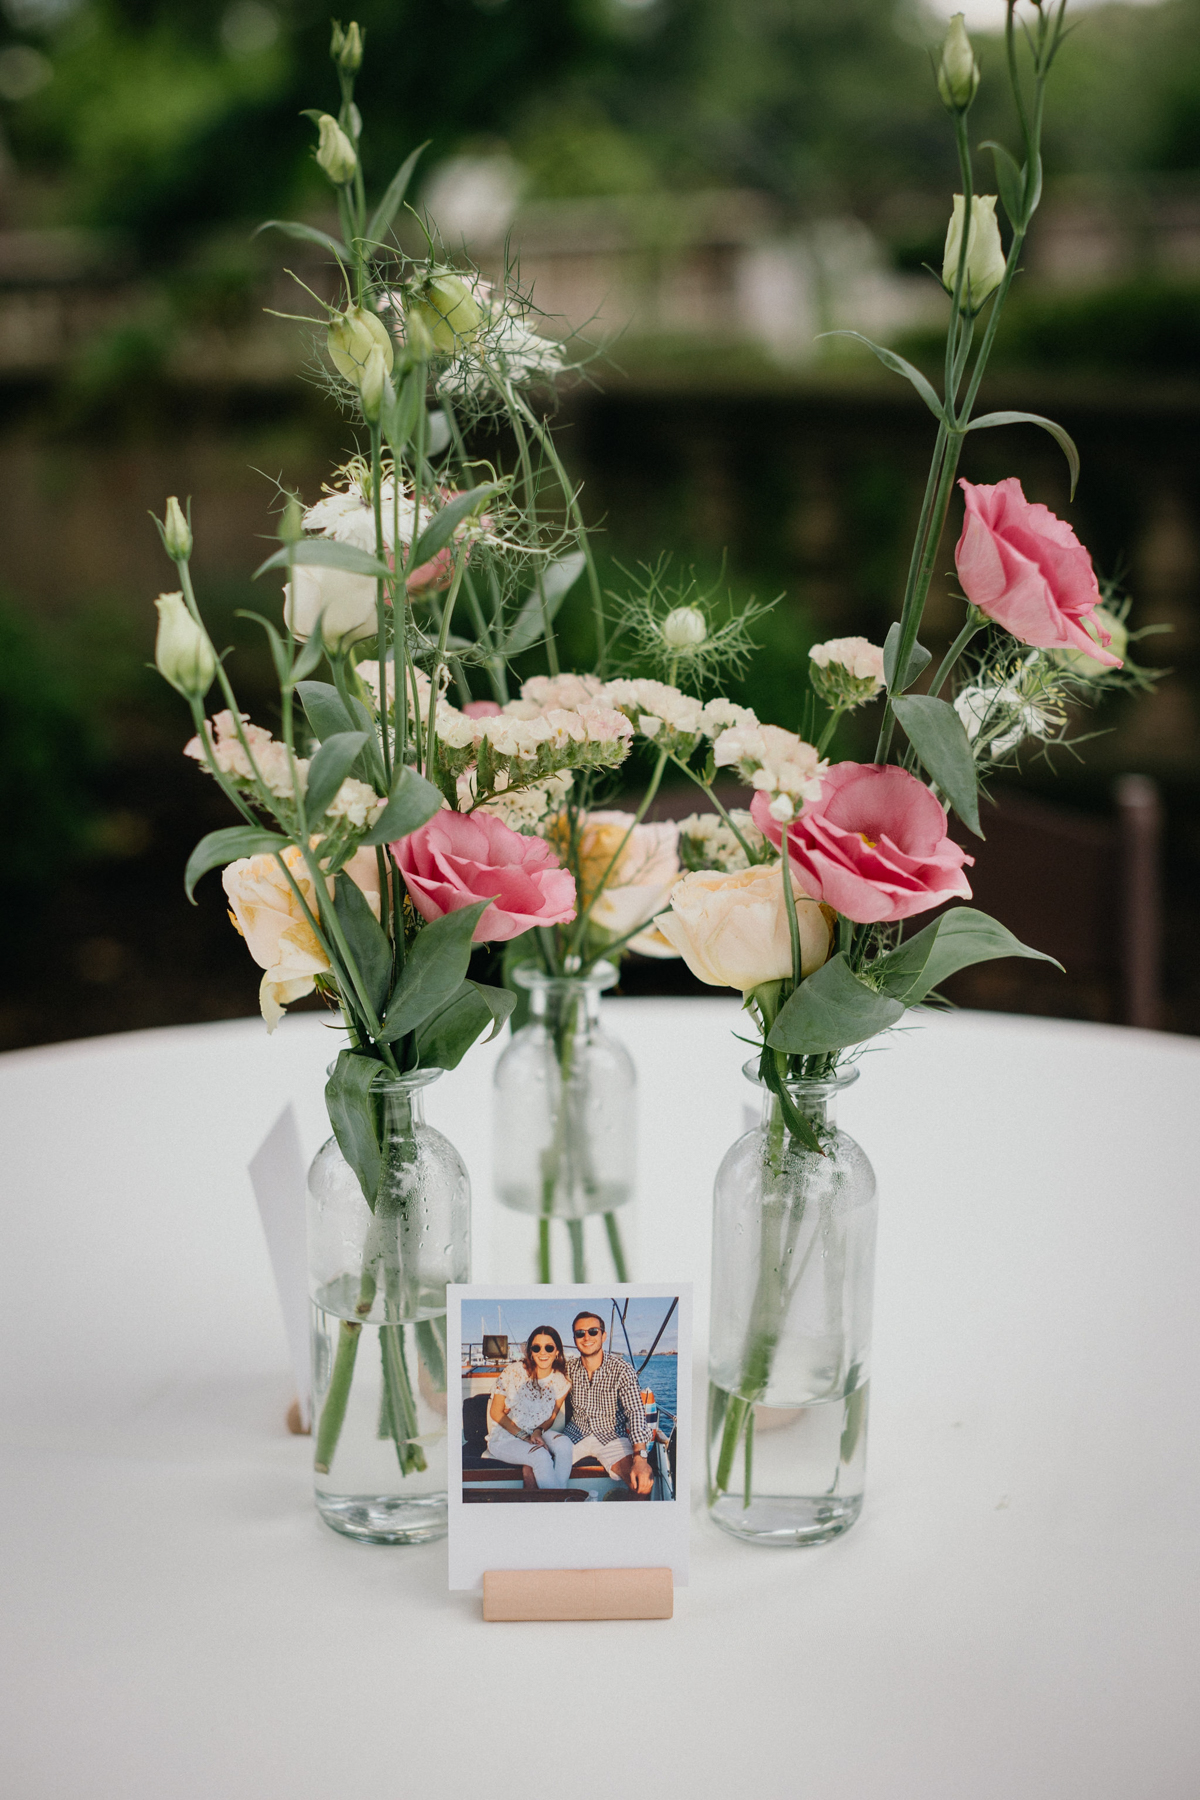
[1028, 571]
[455, 860]
[874, 846]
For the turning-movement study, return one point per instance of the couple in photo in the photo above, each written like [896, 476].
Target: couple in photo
[530, 1397]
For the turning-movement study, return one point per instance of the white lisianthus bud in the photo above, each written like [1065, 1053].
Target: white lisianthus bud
[449, 312]
[177, 533]
[373, 385]
[335, 602]
[684, 628]
[985, 253]
[346, 48]
[958, 72]
[182, 651]
[335, 153]
[352, 336]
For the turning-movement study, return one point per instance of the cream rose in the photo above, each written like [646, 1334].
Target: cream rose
[266, 912]
[732, 929]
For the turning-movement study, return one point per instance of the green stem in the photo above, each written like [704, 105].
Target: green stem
[578, 1262]
[615, 1245]
[971, 629]
[639, 815]
[333, 1412]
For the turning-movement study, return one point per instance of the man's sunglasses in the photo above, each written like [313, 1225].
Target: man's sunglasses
[550, 1349]
[592, 1331]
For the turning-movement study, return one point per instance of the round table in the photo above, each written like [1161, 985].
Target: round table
[1015, 1614]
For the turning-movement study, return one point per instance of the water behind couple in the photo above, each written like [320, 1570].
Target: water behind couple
[607, 1418]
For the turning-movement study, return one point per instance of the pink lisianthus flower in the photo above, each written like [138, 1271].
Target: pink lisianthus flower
[482, 709]
[1027, 570]
[453, 861]
[874, 846]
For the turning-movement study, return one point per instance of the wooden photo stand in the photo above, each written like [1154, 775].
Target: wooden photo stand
[511, 1594]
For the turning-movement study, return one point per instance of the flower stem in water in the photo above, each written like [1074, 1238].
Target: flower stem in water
[334, 1411]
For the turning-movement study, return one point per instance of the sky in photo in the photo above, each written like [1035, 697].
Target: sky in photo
[517, 1318]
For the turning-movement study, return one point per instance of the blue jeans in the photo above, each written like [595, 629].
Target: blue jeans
[551, 1466]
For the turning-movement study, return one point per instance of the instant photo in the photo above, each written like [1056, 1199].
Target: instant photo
[570, 1428]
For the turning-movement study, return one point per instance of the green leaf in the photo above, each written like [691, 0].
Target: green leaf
[830, 1011]
[227, 846]
[958, 939]
[326, 713]
[519, 952]
[393, 198]
[329, 768]
[936, 733]
[325, 553]
[918, 658]
[558, 578]
[442, 526]
[352, 1114]
[400, 418]
[1010, 180]
[445, 1039]
[307, 234]
[898, 366]
[499, 1002]
[310, 655]
[413, 801]
[793, 1118]
[1063, 439]
[435, 967]
[368, 942]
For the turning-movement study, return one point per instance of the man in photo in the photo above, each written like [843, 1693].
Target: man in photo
[601, 1382]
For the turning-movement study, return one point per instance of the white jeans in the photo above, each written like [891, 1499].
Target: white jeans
[551, 1466]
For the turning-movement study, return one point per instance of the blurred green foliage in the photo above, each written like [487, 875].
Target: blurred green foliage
[157, 117]
[1134, 328]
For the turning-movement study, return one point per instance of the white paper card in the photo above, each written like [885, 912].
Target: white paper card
[277, 1176]
[498, 1518]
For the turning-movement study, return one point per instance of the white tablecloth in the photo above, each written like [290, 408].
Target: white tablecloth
[1015, 1614]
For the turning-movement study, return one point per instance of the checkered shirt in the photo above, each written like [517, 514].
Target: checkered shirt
[594, 1402]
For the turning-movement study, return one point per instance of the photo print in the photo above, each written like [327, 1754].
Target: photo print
[571, 1445]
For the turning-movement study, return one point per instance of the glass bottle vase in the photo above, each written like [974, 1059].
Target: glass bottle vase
[565, 1135]
[377, 1293]
[789, 1359]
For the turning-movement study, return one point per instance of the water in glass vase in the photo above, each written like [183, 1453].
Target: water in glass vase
[379, 1436]
[796, 1473]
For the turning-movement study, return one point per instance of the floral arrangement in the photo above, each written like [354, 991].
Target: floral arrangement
[811, 929]
[398, 816]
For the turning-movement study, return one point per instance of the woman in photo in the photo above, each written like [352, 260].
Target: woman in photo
[528, 1398]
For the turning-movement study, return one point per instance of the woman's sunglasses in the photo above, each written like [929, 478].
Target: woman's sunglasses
[592, 1331]
[546, 1349]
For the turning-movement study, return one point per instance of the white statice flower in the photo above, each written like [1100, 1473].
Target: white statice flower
[725, 715]
[524, 809]
[270, 757]
[356, 803]
[707, 842]
[997, 717]
[774, 761]
[674, 721]
[846, 672]
[557, 690]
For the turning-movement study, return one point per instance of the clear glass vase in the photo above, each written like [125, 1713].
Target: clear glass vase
[789, 1359]
[377, 1290]
[565, 1135]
